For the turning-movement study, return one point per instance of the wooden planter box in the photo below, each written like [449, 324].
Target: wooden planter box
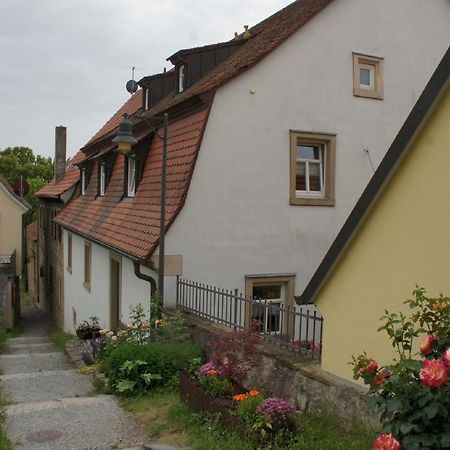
[200, 401]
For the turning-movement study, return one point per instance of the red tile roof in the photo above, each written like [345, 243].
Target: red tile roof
[53, 190]
[266, 36]
[132, 225]
[132, 105]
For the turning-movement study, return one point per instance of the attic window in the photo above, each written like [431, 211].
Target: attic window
[102, 177]
[83, 181]
[181, 77]
[147, 98]
[367, 76]
[131, 177]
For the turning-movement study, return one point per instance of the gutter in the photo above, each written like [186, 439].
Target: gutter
[143, 276]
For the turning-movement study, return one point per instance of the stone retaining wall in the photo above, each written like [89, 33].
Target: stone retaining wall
[298, 379]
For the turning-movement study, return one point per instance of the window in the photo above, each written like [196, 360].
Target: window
[131, 177]
[312, 168]
[271, 294]
[69, 252]
[102, 177]
[83, 181]
[367, 76]
[87, 266]
[181, 78]
[147, 99]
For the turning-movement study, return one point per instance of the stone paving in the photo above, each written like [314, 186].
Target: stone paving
[52, 405]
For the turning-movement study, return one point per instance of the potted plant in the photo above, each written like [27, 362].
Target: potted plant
[87, 328]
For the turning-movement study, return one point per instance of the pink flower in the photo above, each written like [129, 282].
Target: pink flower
[434, 373]
[386, 442]
[446, 357]
[427, 344]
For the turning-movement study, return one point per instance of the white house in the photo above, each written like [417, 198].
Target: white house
[272, 138]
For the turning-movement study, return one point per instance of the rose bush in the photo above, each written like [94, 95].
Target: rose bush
[413, 395]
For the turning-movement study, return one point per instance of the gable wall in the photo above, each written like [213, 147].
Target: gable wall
[403, 241]
[11, 227]
[237, 219]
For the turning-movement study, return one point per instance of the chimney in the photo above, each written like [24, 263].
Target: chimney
[60, 153]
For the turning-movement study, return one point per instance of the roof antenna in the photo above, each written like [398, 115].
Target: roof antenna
[131, 85]
[370, 159]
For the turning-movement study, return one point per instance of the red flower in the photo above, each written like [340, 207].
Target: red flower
[381, 378]
[434, 373]
[446, 357]
[371, 367]
[427, 344]
[386, 442]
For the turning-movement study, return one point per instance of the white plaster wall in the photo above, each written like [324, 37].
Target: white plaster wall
[96, 302]
[237, 219]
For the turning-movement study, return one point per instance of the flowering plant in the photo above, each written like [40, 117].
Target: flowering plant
[308, 344]
[413, 395]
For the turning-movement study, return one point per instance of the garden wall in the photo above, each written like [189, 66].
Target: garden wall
[298, 379]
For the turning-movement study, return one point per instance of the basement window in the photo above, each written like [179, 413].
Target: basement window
[367, 76]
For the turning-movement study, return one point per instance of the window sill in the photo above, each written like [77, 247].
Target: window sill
[69, 269]
[312, 201]
[87, 286]
[368, 93]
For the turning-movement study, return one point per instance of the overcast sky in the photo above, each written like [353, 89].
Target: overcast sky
[66, 62]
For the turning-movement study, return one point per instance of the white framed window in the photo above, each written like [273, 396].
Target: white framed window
[131, 177]
[312, 168]
[367, 76]
[102, 177]
[146, 99]
[181, 77]
[83, 181]
[271, 297]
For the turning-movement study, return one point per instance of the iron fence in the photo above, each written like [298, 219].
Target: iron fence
[296, 328]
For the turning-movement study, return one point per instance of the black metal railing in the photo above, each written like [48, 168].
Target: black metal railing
[8, 264]
[296, 328]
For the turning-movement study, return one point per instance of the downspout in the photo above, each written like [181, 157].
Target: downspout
[143, 276]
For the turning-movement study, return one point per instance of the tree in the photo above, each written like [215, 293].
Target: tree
[17, 162]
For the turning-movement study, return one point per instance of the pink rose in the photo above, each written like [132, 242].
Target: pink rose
[434, 373]
[386, 442]
[427, 344]
[446, 357]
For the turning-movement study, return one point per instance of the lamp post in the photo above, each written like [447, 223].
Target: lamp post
[125, 140]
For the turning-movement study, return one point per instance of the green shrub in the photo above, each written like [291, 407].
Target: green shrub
[216, 386]
[246, 408]
[165, 359]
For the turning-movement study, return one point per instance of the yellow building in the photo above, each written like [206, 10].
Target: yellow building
[397, 235]
[12, 207]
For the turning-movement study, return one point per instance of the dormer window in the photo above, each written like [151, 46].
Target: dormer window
[131, 177]
[83, 181]
[181, 77]
[102, 177]
[147, 98]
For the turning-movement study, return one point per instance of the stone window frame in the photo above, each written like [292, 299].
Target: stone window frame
[327, 141]
[375, 65]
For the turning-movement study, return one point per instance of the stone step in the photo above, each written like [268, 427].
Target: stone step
[73, 423]
[29, 340]
[29, 348]
[33, 362]
[45, 385]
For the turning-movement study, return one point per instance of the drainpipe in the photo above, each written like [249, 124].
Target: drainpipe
[143, 276]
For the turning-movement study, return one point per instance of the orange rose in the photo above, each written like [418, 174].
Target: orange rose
[426, 347]
[434, 373]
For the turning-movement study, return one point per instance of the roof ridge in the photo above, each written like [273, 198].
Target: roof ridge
[10, 191]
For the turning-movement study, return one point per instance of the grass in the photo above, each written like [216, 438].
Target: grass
[59, 338]
[5, 443]
[172, 422]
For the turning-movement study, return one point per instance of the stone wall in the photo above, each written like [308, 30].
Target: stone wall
[298, 379]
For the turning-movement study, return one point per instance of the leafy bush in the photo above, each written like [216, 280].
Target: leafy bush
[413, 395]
[247, 404]
[162, 358]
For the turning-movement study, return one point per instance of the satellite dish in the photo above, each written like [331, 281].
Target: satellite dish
[132, 86]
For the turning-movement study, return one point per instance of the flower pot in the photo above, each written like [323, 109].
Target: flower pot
[87, 334]
[200, 401]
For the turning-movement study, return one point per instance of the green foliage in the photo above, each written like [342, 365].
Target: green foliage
[135, 377]
[156, 307]
[139, 330]
[414, 401]
[246, 409]
[59, 339]
[172, 328]
[165, 359]
[216, 386]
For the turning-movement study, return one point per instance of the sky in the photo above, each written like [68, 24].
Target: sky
[66, 62]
